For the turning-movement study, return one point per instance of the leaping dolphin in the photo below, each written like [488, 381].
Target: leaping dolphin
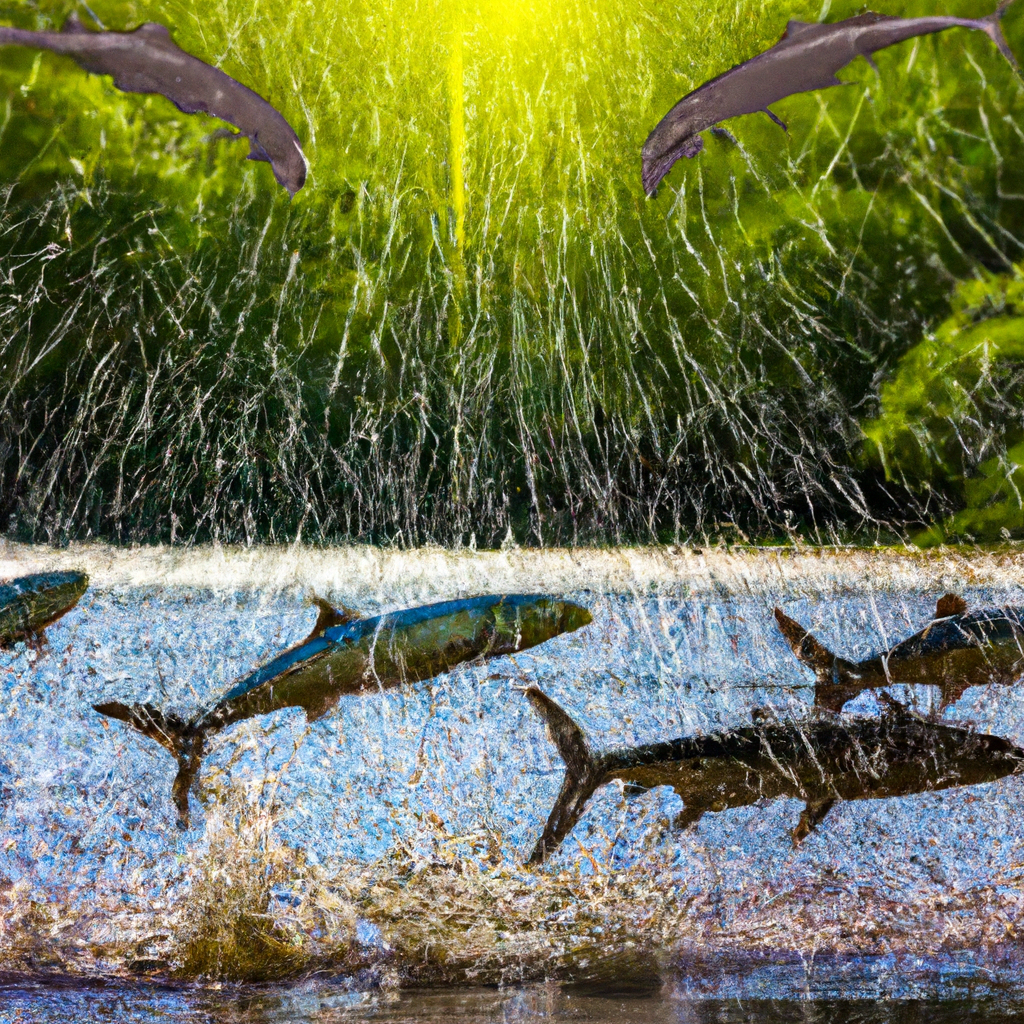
[148, 61]
[956, 650]
[29, 604]
[819, 761]
[346, 654]
[807, 57]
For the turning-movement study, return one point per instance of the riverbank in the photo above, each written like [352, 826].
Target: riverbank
[433, 572]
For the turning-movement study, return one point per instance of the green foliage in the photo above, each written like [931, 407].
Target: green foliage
[185, 353]
[952, 416]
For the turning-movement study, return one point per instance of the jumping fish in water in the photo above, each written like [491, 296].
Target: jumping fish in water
[349, 655]
[147, 61]
[31, 603]
[807, 57]
[819, 761]
[956, 650]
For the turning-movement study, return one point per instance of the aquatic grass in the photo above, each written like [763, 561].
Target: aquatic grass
[186, 355]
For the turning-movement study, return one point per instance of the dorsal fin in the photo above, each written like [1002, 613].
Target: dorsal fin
[155, 29]
[329, 616]
[794, 28]
[950, 604]
[73, 24]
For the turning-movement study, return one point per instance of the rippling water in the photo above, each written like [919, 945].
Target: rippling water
[384, 844]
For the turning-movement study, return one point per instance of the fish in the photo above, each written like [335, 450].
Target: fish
[806, 58]
[820, 761]
[147, 60]
[955, 651]
[29, 604]
[346, 654]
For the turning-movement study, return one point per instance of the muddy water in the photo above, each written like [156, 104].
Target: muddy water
[384, 844]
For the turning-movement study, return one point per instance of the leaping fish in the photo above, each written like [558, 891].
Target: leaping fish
[819, 761]
[29, 604]
[807, 57]
[346, 654]
[956, 650]
[148, 61]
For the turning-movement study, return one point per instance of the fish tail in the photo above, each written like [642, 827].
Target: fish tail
[808, 649]
[995, 33]
[582, 774]
[180, 738]
[831, 692]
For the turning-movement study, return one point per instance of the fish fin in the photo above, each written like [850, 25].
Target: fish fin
[184, 742]
[776, 119]
[257, 152]
[995, 33]
[189, 761]
[582, 774]
[871, 61]
[950, 604]
[154, 30]
[329, 616]
[794, 28]
[73, 25]
[811, 817]
[952, 691]
[806, 647]
[688, 816]
[168, 730]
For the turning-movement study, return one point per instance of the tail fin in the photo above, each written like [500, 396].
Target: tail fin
[829, 693]
[995, 33]
[582, 774]
[806, 647]
[174, 734]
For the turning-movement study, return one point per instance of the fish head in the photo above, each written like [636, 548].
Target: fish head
[666, 145]
[49, 595]
[523, 621]
[289, 167]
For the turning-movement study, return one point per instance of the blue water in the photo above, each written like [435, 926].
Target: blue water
[88, 834]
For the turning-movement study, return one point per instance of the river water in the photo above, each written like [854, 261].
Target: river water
[331, 867]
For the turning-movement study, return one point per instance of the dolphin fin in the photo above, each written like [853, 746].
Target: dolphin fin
[582, 774]
[950, 604]
[811, 817]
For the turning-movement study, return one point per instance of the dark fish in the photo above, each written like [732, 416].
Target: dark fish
[819, 761]
[807, 57]
[956, 650]
[349, 655]
[147, 61]
[31, 603]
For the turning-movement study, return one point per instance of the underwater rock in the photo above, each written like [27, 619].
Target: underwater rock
[357, 656]
[819, 761]
[148, 61]
[956, 650]
[29, 604]
[807, 57]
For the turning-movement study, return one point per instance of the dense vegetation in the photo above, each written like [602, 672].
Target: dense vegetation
[539, 353]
